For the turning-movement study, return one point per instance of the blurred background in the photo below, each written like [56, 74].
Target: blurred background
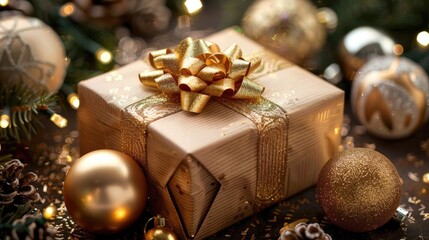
[48, 46]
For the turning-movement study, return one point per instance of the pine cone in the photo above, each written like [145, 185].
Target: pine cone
[15, 187]
[304, 231]
[31, 227]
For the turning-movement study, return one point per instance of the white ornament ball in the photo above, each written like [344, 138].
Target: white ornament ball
[31, 53]
[390, 96]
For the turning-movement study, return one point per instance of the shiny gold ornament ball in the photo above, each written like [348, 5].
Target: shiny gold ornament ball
[289, 27]
[32, 54]
[359, 189]
[361, 45]
[105, 191]
[160, 233]
[390, 96]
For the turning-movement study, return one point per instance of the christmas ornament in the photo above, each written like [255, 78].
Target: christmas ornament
[15, 7]
[150, 17]
[390, 96]
[105, 191]
[359, 189]
[16, 187]
[288, 27]
[100, 13]
[300, 230]
[328, 18]
[31, 53]
[359, 46]
[159, 231]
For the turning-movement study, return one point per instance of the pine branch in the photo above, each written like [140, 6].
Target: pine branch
[23, 105]
[81, 41]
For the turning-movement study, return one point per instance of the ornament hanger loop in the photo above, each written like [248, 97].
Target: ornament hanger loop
[158, 220]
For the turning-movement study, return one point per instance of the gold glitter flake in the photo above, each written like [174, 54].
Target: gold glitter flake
[413, 176]
[414, 200]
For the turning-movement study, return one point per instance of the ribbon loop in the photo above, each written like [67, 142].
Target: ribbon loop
[148, 78]
[167, 84]
[222, 88]
[191, 83]
[191, 66]
[248, 90]
[197, 70]
[193, 102]
[233, 52]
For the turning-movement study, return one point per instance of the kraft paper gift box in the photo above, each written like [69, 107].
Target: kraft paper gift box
[209, 170]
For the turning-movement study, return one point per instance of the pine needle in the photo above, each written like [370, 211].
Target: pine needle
[24, 105]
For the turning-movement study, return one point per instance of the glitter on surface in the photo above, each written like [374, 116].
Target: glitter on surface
[359, 189]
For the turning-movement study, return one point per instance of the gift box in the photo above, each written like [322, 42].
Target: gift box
[209, 170]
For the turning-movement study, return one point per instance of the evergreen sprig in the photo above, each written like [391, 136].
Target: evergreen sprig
[24, 105]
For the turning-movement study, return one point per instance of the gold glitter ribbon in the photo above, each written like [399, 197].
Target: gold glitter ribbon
[197, 70]
[271, 120]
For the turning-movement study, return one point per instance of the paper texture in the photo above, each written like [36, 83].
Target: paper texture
[202, 167]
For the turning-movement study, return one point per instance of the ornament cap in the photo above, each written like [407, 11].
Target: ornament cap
[401, 215]
[159, 231]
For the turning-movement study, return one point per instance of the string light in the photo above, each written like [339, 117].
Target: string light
[73, 100]
[423, 38]
[67, 9]
[72, 97]
[4, 3]
[104, 56]
[193, 6]
[4, 118]
[426, 178]
[398, 49]
[56, 118]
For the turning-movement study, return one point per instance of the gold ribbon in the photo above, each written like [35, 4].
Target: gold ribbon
[197, 70]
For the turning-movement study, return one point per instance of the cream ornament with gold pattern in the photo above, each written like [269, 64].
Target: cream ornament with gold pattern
[390, 96]
[197, 70]
[31, 53]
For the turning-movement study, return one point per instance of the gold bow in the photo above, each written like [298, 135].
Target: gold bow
[197, 70]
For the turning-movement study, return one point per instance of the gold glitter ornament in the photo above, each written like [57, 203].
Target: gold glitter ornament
[291, 28]
[31, 53]
[159, 231]
[105, 191]
[390, 97]
[359, 46]
[359, 189]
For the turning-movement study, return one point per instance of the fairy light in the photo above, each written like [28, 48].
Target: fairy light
[59, 120]
[4, 121]
[398, 49]
[104, 56]
[73, 100]
[4, 3]
[50, 212]
[67, 9]
[426, 178]
[423, 38]
[56, 118]
[4, 118]
[72, 97]
[193, 6]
